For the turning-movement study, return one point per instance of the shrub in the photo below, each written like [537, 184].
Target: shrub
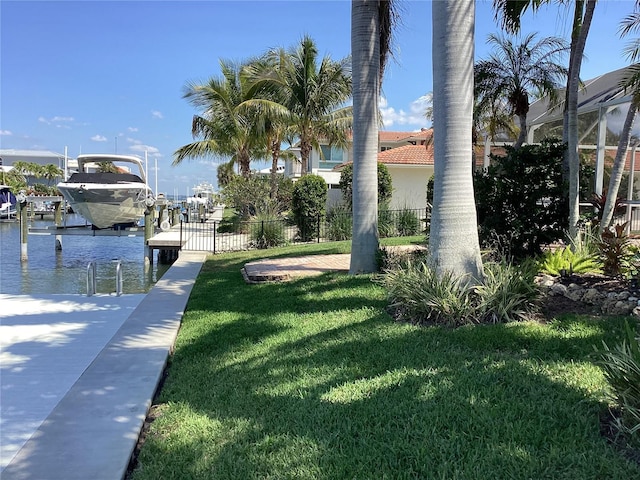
[385, 187]
[266, 231]
[508, 291]
[615, 250]
[309, 199]
[418, 294]
[520, 197]
[621, 366]
[249, 196]
[407, 222]
[339, 223]
[386, 226]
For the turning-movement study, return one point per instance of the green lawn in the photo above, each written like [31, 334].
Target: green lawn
[312, 379]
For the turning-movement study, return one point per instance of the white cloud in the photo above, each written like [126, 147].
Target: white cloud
[415, 117]
[141, 148]
[157, 114]
[132, 129]
[99, 138]
[6, 133]
[57, 119]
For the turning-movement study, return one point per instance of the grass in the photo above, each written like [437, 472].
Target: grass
[311, 379]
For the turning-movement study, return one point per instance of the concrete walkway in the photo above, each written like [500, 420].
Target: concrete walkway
[78, 374]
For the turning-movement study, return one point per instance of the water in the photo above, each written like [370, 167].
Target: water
[50, 271]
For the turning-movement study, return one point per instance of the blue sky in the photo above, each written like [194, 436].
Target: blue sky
[105, 76]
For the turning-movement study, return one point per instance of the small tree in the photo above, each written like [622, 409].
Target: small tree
[309, 202]
[385, 187]
[520, 201]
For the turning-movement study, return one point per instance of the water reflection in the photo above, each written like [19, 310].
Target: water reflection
[65, 271]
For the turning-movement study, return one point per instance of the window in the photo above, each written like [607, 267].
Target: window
[331, 156]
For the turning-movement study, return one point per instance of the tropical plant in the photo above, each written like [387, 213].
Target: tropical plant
[385, 185]
[507, 292]
[309, 200]
[309, 95]
[227, 126]
[516, 72]
[510, 13]
[250, 196]
[453, 239]
[566, 260]
[418, 294]
[621, 367]
[615, 250]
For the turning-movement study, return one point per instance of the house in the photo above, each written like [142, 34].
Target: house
[408, 155]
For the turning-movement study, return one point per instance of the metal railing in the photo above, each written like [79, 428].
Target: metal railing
[92, 278]
[216, 236]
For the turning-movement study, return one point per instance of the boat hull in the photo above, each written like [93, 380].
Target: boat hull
[107, 205]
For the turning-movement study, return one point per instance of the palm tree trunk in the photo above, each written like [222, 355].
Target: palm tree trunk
[275, 156]
[522, 136]
[365, 48]
[581, 27]
[453, 241]
[618, 167]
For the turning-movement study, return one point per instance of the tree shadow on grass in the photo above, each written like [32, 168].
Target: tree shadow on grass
[292, 383]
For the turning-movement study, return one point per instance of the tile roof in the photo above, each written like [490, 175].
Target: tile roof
[387, 136]
[407, 155]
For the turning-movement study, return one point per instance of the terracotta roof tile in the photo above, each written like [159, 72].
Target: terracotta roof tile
[387, 136]
[407, 155]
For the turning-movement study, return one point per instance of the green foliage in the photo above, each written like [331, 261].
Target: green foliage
[386, 225]
[225, 174]
[309, 202]
[507, 292]
[615, 250]
[407, 222]
[250, 195]
[621, 366]
[555, 262]
[339, 223]
[385, 187]
[520, 198]
[419, 294]
[266, 231]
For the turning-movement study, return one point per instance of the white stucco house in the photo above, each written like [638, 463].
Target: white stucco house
[407, 155]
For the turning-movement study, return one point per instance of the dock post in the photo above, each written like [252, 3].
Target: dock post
[148, 233]
[57, 215]
[161, 211]
[24, 222]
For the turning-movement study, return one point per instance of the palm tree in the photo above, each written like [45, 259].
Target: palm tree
[453, 240]
[515, 72]
[226, 127]
[311, 95]
[50, 172]
[371, 29]
[511, 11]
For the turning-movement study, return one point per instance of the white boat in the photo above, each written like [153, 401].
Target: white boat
[7, 202]
[106, 192]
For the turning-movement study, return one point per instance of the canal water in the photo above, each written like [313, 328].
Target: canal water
[50, 271]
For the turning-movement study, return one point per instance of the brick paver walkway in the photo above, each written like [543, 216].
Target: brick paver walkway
[282, 269]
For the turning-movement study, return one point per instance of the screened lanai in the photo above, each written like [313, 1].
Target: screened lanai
[602, 108]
